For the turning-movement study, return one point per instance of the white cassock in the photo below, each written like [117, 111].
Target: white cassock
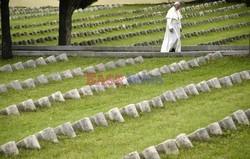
[172, 40]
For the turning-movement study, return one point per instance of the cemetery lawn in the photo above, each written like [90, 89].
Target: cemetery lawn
[140, 38]
[119, 139]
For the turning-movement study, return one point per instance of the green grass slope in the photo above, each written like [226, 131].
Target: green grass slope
[134, 134]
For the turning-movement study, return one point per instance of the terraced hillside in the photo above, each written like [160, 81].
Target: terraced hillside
[109, 138]
[135, 25]
[132, 108]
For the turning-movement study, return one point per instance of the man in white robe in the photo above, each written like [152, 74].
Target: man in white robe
[172, 39]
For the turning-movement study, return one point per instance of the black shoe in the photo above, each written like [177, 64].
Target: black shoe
[172, 50]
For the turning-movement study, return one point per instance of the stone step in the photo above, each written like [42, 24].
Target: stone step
[128, 54]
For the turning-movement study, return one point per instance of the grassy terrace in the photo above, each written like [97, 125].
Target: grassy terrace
[135, 134]
[137, 39]
[149, 129]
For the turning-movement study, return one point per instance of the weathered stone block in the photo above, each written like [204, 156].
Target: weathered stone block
[226, 81]
[3, 88]
[150, 153]
[240, 117]
[122, 81]
[245, 75]
[89, 69]
[57, 96]
[155, 72]
[99, 119]
[217, 55]
[29, 83]
[62, 57]
[183, 65]
[110, 65]
[210, 57]
[120, 63]
[77, 72]
[41, 80]
[214, 129]
[143, 107]
[50, 59]
[26, 105]
[182, 141]
[40, 61]
[86, 91]
[236, 78]
[164, 69]
[157, 102]
[132, 155]
[47, 134]
[43, 102]
[29, 142]
[201, 60]
[66, 74]
[168, 147]
[98, 88]
[9, 149]
[115, 115]
[203, 87]
[65, 129]
[12, 110]
[100, 67]
[214, 83]
[17, 66]
[6, 68]
[130, 61]
[139, 59]
[199, 135]
[72, 94]
[130, 110]
[227, 124]
[169, 96]
[180, 93]
[193, 63]
[83, 125]
[143, 75]
[247, 112]
[29, 63]
[191, 89]
[54, 77]
[174, 67]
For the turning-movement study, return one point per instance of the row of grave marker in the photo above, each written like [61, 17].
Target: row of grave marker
[33, 63]
[101, 40]
[196, 33]
[151, 31]
[67, 74]
[32, 10]
[30, 105]
[89, 9]
[183, 141]
[132, 110]
[51, 38]
[189, 8]
[227, 40]
[88, 33]
[144, 32]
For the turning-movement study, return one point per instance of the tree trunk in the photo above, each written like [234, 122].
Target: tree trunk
[65, 22]
[6, 37]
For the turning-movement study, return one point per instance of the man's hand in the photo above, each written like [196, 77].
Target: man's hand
[171, 30]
